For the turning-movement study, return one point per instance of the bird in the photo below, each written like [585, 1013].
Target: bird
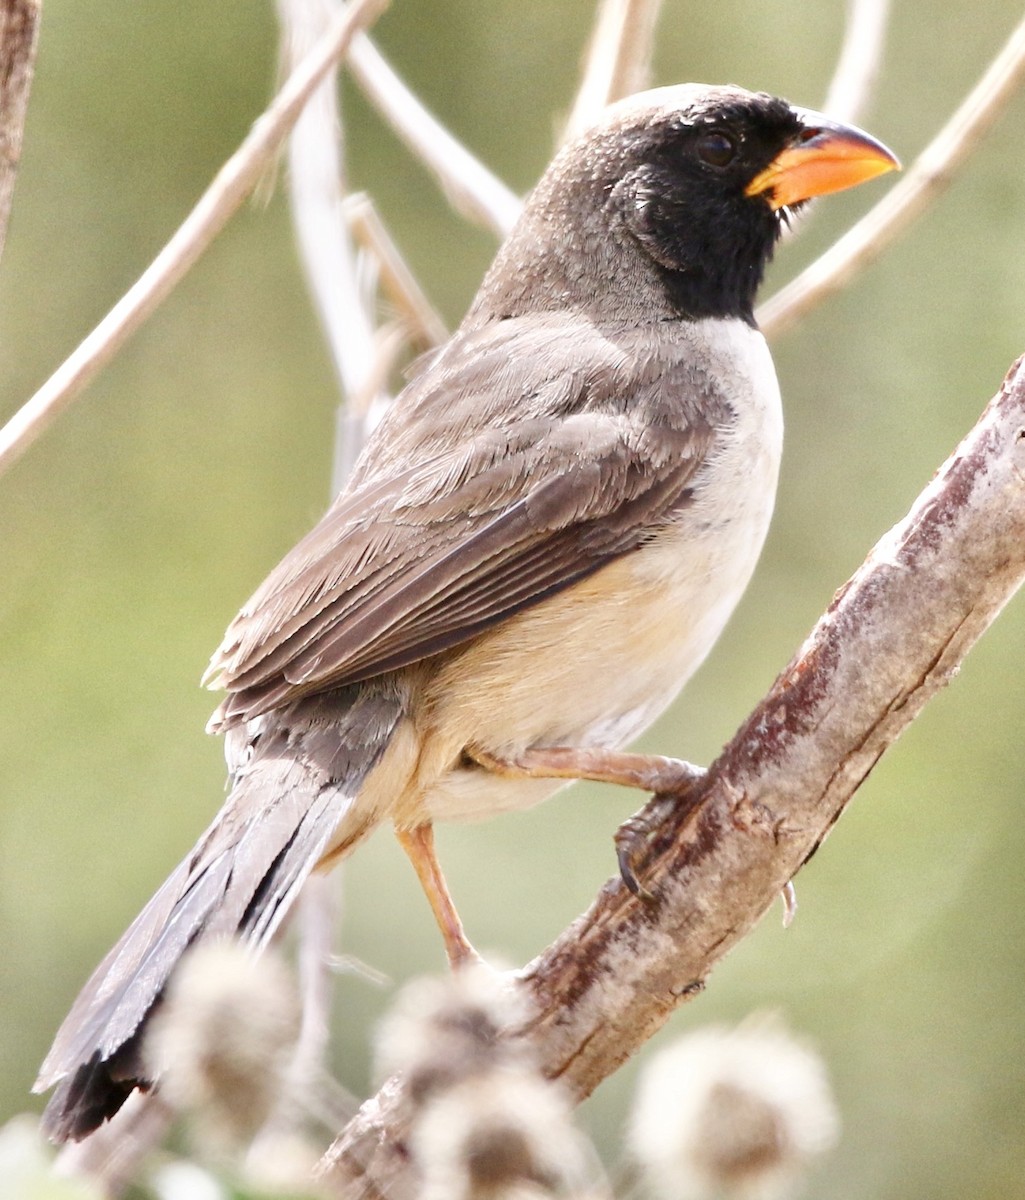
[539, 544]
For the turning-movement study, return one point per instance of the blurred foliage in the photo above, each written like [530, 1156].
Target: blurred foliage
[134, 530]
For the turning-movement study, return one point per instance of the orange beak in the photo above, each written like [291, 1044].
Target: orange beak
[824, 157]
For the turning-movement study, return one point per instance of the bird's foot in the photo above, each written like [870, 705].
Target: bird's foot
[634, 836]
[671, 780]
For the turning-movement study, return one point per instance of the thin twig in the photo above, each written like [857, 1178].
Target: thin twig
[329, 260]
[318, 917]
[316, 194]
[860, 58]
[309, 1088]
[222, 198]
[316, 188]
[719, 855]
[472, 190]
[855, 74]
[19, 34]
[312, 1090]
[398, 283]
[932, 172]
[618, 60]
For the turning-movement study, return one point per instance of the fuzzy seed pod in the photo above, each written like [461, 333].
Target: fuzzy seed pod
[736, 1113]
[222, 1040]
[440, 1031]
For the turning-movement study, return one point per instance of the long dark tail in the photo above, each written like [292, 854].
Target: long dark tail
[293, 788]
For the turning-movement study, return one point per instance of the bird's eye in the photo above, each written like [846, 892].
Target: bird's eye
[716, 149]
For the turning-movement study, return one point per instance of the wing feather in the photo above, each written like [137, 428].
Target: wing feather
[417, 560]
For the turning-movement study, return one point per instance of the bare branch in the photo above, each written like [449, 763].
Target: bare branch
[317, 203]
[720, 855]
[471, 189]
[316, 197]
[318, 919]
[305, 1092]
[931, 174]
[229, 188]
[855, 74]
[19, 33]
[424, 325]
[618, 60]
[860, 59]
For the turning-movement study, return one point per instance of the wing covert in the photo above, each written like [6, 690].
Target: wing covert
[411, 562]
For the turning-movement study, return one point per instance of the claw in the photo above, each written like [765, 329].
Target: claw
[630, 840]
[633, 836]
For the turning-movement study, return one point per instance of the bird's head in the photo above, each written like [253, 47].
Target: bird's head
[673, 202]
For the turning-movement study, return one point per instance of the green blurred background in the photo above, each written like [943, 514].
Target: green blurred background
[133, 531]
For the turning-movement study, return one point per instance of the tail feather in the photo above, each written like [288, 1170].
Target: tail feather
[240, 880]
[281, 885]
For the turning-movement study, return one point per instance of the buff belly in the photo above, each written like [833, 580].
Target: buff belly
[596, 664]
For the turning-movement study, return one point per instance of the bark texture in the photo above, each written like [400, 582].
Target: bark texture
[19, 32]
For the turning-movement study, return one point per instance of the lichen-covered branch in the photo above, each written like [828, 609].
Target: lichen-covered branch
[893, 636]
[19, 33]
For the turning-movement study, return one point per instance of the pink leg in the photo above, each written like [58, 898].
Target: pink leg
[648, 772]
[669, 778]
[418, 844]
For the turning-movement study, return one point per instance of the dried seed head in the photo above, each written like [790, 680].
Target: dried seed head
[440, 1031]
[484, 1123]
[732, 1113]
[283, 1163]
[504, 1133]
[221, 1041]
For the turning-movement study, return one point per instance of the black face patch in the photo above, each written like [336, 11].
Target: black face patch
[685, 201]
